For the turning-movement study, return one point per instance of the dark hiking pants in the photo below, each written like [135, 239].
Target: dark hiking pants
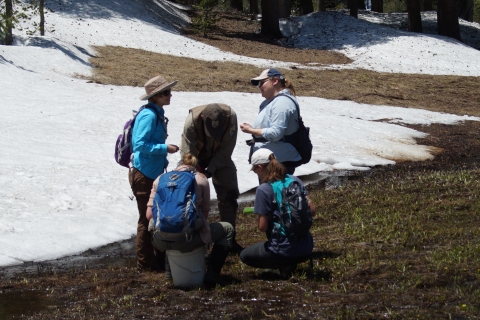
[142, 187]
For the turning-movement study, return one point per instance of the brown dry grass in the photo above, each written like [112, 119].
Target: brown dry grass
[236, 33]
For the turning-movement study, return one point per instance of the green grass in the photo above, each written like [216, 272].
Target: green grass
[405, 235]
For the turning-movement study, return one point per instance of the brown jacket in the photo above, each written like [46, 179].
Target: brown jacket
[211, 153]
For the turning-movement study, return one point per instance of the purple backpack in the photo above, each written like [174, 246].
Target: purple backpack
[123, 147]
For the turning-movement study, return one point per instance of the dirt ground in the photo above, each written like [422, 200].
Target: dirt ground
[104, 283]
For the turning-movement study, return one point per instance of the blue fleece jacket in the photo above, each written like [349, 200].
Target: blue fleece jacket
[148, 141]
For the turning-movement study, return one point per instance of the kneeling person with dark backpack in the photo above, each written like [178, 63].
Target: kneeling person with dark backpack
[284, 214]
[178, 210]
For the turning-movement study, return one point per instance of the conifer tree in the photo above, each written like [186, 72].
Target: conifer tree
[207, 18]
[7, 20]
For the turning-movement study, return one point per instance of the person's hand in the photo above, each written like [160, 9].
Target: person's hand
[245, 127]
[172, 148]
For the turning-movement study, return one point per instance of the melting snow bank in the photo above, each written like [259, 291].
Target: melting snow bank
[382, 48]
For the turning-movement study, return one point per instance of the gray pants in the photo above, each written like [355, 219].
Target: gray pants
[221, 232]
[224, 181]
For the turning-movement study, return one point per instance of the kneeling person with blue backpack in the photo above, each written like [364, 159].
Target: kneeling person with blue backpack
[178, 210]
[284, 213]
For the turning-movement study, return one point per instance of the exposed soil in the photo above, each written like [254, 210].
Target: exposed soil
[104, 283]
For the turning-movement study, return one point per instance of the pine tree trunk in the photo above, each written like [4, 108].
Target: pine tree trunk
[414, 17]
[447, 19]
[428, 5]
[465, 9]
[352, 5]
[377, 5]
[270, 16]
[254, 6]
[42, 17]
[284, 8]
[306, 7]
[361, 5]
[236, 4]
[9, 22]
[321, 6]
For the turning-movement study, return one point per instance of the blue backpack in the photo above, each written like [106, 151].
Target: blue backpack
[174, 211]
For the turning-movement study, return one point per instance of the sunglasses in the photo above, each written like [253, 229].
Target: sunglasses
[165, 93]
[260, 83]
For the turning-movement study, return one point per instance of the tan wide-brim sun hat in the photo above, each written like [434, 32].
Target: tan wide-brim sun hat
[156, 85]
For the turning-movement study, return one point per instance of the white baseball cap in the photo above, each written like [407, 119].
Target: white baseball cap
[261, 156]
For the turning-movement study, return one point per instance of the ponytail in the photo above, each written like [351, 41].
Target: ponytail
[289, 86]
[274, 170]
[286, 83]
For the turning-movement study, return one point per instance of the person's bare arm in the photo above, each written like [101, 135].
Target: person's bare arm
[262, 222]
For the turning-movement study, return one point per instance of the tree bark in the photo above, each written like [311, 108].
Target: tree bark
[428, 5]
[42, 17]
[236, 4]
[361, 4]
[414, 17]
[447, 19]
[270, 16]
[306, 7]
[254, 6]
[377, 5]
[352, 5]
[321, 6]
[284, 8]
[9, 22]
[465, 9]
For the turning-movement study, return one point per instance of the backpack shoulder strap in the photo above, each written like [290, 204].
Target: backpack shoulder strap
[296, 104]
[157, 116]
[278, 186]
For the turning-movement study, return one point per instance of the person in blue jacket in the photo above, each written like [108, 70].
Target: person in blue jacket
[149, 161]
[276, 119]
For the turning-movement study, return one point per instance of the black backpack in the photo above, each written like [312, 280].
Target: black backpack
[295, 217]
[300, 139]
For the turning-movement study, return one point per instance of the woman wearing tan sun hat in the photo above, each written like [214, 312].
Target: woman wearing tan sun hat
[149, 161]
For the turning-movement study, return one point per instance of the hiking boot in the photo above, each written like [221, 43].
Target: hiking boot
[159, 263]
[212, 278]
[215, 263]
[287, 271]
[269, 272]
[236, 248]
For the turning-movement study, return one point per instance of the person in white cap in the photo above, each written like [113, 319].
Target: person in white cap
[149, 161]
[277, 118]
[279, 251]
